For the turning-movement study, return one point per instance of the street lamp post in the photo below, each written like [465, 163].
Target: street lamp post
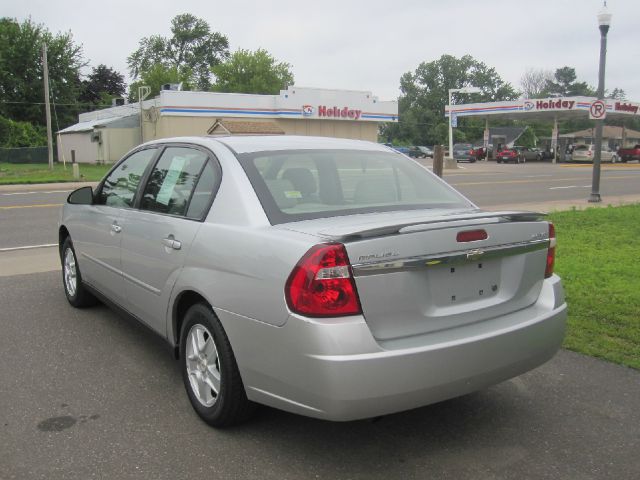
[457, 90]
[604, 21]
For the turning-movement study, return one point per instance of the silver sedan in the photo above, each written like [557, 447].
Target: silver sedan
[331, 278]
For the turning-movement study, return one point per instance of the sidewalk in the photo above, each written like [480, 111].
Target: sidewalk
[557, 205]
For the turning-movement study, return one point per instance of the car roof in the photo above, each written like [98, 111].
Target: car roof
[259, 143]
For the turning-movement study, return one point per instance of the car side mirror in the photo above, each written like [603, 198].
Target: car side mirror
[81, 196]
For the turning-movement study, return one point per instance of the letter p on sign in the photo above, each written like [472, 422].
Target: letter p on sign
[598, 110]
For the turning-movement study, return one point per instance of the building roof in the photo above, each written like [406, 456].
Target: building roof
[240, 127]
[112, 122]
[608, 131]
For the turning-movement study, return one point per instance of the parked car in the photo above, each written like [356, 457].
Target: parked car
[627, 154]
[584, 153]
[507, 155]
[416, 152]
[529, 153]
[463, 152]
[546, 154]
[404, 150]
[326, 277]
[428, 152]
[479, 153]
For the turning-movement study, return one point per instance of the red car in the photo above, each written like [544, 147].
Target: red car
[510, 155]
[478, 153]
[626, 154]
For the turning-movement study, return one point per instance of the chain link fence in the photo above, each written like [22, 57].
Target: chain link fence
[26, 155]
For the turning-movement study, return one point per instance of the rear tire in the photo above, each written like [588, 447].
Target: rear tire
[209, 370]
[75, 291]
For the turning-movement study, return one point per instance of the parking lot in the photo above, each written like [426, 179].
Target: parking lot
[87, 394]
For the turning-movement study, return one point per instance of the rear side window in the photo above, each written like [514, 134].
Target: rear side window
[119, 188]
[172, 181]
[201, 198]
[300, 185]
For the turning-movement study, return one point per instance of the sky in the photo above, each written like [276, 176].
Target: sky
[369, 44]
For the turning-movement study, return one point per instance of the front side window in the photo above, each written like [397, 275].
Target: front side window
[119, 188]
[300, 185]
[172, 180]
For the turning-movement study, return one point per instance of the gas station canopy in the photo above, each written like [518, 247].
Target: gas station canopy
[555, 108]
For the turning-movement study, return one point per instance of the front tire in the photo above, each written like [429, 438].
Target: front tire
[76, 293]
[209, 370]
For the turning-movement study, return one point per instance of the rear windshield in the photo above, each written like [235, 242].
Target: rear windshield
[296, 185]
[581, 147]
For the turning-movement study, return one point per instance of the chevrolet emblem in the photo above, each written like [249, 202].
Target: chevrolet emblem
[475, 254]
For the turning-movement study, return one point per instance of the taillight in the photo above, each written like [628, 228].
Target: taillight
[322, 285]
[551, 252]
[471, 236]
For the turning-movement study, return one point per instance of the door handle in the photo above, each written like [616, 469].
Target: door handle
[171, 242]
[116, 228]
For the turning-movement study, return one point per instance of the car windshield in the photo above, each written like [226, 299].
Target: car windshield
[298, 185]
[581, 147]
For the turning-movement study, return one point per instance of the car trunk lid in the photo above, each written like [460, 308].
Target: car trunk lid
[424, 274]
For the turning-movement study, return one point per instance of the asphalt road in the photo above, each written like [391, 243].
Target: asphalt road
[29, 217]
[86, 394]
[491, 184]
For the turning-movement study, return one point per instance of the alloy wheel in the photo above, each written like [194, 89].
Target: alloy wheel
[70, 272]
[203, 365]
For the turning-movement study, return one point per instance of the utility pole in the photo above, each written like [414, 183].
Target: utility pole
[45, 75]
[143, 92]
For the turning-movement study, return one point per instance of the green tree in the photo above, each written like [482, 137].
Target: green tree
[158, 75]
[617, 94]
[21, 134]
[192, 49]
[425, 92]
[102, 84]
[565, 84]
[252, 72]
[21, 85]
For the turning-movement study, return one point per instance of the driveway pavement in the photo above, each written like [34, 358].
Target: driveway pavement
[86, 394]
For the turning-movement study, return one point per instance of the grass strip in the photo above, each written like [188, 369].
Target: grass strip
[598, 259]
[13, 173]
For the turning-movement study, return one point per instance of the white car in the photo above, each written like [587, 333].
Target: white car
[585, 153]
[327, 277]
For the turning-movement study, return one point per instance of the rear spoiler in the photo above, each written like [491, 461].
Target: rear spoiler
[432, 223]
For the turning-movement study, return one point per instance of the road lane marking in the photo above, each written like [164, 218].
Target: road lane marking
[28, 247]
[603, 166]
[533, 181]
[42, 205]
[570, 186]
[34, 193]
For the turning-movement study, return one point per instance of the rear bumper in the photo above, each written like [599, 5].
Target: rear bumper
[337, 371]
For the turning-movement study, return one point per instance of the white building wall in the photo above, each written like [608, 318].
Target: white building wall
[86, 151]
